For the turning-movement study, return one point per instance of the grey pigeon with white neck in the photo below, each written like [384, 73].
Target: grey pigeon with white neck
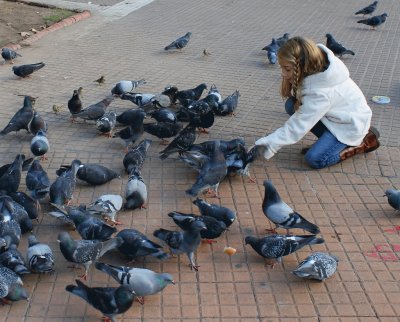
[9, 55]
[179, 43]
[126, 86]
[319, 266]
[62, 189]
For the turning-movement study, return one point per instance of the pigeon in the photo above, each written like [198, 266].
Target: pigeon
[273, 46]
[182, 142]
[164, 115]
[142, 281]
[13, 260]
[9, 54]
[136, 244]
[336, 47]
[319, 266]
[106, 205]
[125, 86]
[7, 279]
[110, 301]
[192, 94]
[21, 118]
[221, 213]
[95, 111]
[74, 104]
[37, 123]
[228, 105]
[40, 144]
[277, 246]
[226, 146]
[211, 174]
[179, 43]
[238, 161]
[134, 131]
[134, 159]
[135, 191]
[374, 21]
[85, 252]
[280, 213]
[106, 123]
[100, 80]
[26, 70]
[39, 256]
[393, 197]
[17, 212]
[171, 92]
[139, 99]
[217, 98]
[201, 114]
[272, 57]
[10, 230]
[130, 116]
[17, 292]
[368, 9]
[62, 189]
[88, 227]
[37, 181]
[183, 242]
[30, 205]
[10, 175]
[163, 130]
[215, 227]
[93, 174]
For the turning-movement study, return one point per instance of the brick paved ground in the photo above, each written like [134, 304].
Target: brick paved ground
[345, 200]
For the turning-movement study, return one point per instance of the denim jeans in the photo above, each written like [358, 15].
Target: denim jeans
[326, 151]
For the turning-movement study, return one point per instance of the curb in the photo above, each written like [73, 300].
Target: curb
[58, 25]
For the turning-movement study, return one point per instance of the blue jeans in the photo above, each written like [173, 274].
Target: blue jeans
[326, 151]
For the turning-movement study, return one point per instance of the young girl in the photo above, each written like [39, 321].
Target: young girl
[323, 99]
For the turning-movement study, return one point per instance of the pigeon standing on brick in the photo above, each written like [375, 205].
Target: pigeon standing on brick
[221, 213]
[7, 279]
[179, 43]
[85, 252]
[135, 191]
[40, 144]
[192, 94]
[228, 105]
[63, 187]
[164, 115]
[30, 205]
[374, 21]
[10, 230]
[126, 86]
[274, 247]
[74, 104]
[134, 131]
[39, 256]
[37, 181]
[106, 123]
[139, 99]
[368, 9]
[26, 70]
[9, 55]
[22, 118]
[106, 205]
[182, 142]
[319, 266]
[336, 47]
[10, 175]
[281, 214]
[163, 130]
[142, 281]
[95, 111]
[272, 51]
[135, 244]
[17, 292]
[110, 301]
[393, 197]
[93, 174]
[14, 260]
[135, 157]
[183, 242]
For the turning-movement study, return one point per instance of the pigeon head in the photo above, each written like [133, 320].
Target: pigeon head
[271, 195]
[250, 240]
[166, 279]
[197, 225]
[17, 292]
[390, 192]
[329, 36]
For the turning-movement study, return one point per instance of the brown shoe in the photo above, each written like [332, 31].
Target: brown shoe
[370, 143]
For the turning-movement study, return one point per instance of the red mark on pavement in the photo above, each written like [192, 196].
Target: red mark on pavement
[385, 252]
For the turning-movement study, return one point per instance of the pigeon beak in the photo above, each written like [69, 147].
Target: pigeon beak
[173, 282]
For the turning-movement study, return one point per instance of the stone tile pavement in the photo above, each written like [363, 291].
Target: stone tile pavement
[345, 201]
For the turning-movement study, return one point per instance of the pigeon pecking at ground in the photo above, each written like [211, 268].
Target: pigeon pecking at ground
[22, 118]
[183, 141]
[37, 181]
[368, 9]
[10, 174]
[280, 213]
[319, 266]
[40, 144]
[336, 47]
[163, 130]
[134, 131]
[179, 43]
[13, 259]
[126, 86]
[9, 55]
[135, 157]
[95, 111]
[107, 206]
[7, 279]
[39, 256]
[30, 205]
[221, 213]
[26, 70]
[135, 191]
[393, 197]
[374, 21]
[106, 123]
[228, 105]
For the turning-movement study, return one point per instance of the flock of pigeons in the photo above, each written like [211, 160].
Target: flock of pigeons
[96, 223]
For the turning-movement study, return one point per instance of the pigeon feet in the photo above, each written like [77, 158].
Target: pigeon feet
[43, 158]
[203, 130]
[212, 194]
[164, 142]
[271, 230]
[252, 180]
[208, 241]
[140, 299]
[194, 267]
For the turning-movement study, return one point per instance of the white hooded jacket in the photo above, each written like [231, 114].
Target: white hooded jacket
[332, 97]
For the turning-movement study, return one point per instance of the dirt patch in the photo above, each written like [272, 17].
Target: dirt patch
[17, 17]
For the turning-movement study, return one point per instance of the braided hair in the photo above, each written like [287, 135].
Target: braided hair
[306, 59]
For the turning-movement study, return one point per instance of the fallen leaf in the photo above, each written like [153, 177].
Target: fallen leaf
[24, 33]
[34, 30]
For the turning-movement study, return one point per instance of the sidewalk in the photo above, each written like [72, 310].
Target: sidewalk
[345, 201]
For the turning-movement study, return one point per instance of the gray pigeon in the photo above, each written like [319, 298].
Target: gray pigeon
[276, 210]
[393, 196]
[92, 173]
[139, 99]
[40, 144]
[228, 216]
[39, 256]
[183, 242]
[16, 292]
[106, 205]
[179, 43]
[110, 301]
[228, 105]
[62, 189]
[135, 191]
[319, 266]
[26, 70]
[106, 123]
[7, 279]
[182, 142]
[374, 21]
[126, 86]
[211, 174]
[85, 252]
[95, 111]
[10, 175]
[38, 123]
[13, 259]
[30, 205]
[135, 157]
[17, 212]
[10, 230]
[37, 181]
[22, 118]
[134, 131]
[274, 247]
[337, 48]
[368, 9]
[142, 281]
[9, 55]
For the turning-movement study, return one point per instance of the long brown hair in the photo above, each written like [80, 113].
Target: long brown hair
[306, 58]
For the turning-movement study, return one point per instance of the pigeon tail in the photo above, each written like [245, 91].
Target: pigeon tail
[80, 290]
[348, 52]
[161, 233]
[109, 269]
[134, 201]
[111, 244]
